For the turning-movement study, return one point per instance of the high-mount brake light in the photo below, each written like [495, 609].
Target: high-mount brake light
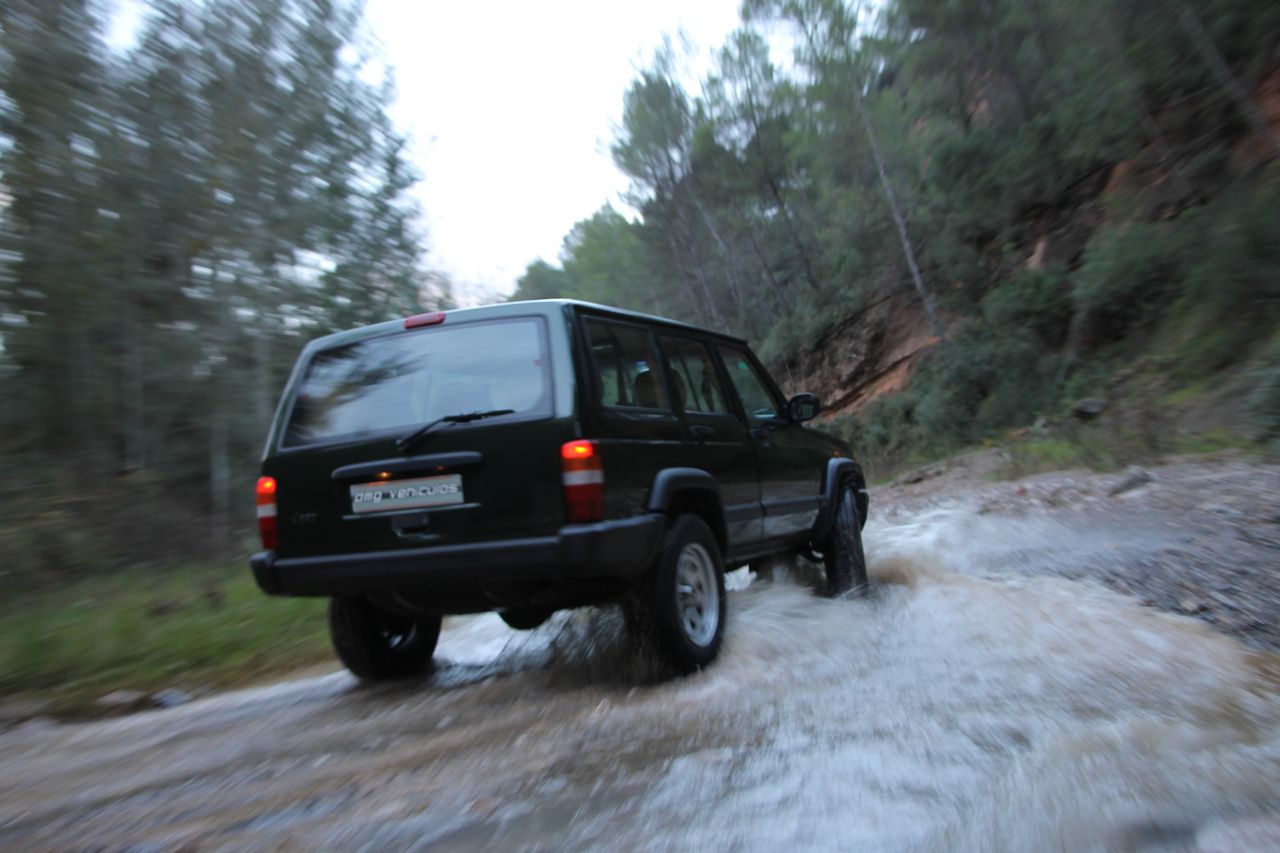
[267, 512]
[583, 473]
[434, 318]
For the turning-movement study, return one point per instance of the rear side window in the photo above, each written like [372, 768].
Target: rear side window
[406, 379]
[694, 382]
[625, 366]
[752, 388]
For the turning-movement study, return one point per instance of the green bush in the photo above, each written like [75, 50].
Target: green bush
[1232, 273]
[1039, 300]
[882, 434]
[984, 379]
[1264, 400]
[1130, 274]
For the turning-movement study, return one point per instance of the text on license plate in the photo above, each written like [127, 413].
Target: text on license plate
[407, 494]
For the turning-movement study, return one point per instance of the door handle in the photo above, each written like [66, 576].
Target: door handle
[701, 432]
[758, 433]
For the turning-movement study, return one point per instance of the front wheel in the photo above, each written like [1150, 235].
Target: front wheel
[378, 645]
[678, 610]
[844, 559]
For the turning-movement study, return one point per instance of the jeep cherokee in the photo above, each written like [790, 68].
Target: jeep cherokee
[533, 456]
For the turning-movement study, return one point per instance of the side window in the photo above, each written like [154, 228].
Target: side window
[694, 383]
[752, 388]
[625, 366]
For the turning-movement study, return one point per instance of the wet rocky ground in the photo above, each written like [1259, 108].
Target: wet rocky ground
[1041, 665]
[1210, 527]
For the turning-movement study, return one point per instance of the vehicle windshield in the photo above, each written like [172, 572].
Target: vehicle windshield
[402, 380]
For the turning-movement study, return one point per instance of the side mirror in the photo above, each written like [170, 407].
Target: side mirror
[803, 407]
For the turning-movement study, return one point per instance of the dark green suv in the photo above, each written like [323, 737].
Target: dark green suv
[533, 456]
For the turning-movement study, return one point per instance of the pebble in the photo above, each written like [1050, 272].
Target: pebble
[118, 699]
[1134, 477]
[170, 697]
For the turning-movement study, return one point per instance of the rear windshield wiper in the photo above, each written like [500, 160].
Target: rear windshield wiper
[408, 441]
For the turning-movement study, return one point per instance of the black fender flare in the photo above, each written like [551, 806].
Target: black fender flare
[670, 483]
[838, 471]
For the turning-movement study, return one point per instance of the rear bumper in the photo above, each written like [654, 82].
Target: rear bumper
[609, 550]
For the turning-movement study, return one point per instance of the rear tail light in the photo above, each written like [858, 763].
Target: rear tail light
[267, 512]
[583, 473]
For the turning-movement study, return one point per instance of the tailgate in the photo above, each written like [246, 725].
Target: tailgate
[467, 483]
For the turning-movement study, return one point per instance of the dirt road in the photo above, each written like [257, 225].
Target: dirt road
[990, 695]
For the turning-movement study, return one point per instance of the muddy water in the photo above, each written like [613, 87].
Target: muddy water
[964, 706]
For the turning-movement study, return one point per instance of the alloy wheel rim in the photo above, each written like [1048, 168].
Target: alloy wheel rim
[697, 595]
[397, 637]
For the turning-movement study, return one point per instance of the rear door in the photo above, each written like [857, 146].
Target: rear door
[714, 433]
[343, 483]
[628, 412]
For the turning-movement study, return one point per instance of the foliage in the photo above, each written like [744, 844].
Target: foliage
[182, 214]
[1128, 275]
[1264, 400]
[1060, 180]
[193, 628]
[1036, 300]
[970, 136]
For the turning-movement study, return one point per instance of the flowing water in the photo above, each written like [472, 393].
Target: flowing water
[966, 705]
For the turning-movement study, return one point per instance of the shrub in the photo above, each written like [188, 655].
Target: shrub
[1130, 273]
[984, 379]
[1039, 300]
[1264, 400]
[1232, 274]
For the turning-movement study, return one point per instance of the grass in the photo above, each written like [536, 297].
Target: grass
[1100, 450]
[195, 629]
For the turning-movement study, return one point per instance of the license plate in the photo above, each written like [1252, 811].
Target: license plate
[407, 494]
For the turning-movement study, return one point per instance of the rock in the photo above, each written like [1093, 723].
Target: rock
[1191, 606]
[15, 711]
[1088, 408]
[921, 474]
[170, 697]
[123, 700]
[1134, 477]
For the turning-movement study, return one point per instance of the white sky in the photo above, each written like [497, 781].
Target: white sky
[511, 107]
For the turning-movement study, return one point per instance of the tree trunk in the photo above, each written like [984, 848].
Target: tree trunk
[1213, 58]
[938, 329]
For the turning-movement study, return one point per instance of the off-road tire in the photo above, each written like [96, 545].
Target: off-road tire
[378, 645]
[843, 557]
[664, 619]
[526, 618]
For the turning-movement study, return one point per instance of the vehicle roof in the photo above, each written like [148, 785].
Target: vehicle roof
[511, 309]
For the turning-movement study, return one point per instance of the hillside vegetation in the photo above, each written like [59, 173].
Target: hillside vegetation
[177, 217]
[954, 218]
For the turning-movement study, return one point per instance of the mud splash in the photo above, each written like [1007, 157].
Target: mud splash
[961, 707]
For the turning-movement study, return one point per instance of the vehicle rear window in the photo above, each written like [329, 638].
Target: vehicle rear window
[403, 380]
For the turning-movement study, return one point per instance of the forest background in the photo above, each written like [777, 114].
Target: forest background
[1048, 195]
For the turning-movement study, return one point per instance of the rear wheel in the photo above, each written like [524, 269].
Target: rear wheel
[378, 645]
[678, 610]
[843, 557]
